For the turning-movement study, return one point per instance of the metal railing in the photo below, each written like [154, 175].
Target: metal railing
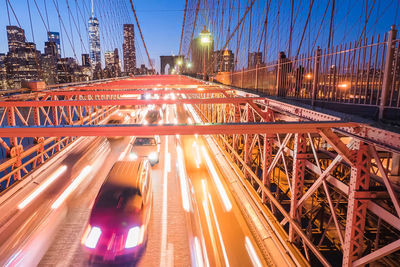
[366, 72]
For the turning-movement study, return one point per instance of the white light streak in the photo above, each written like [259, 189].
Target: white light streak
[198, 254]
[42, 187]
[72, 187]
[183, 179]
[252, 253]
[222, 193]
[219, 232]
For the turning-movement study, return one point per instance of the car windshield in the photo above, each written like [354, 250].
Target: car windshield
[143, 141]
[121, 198]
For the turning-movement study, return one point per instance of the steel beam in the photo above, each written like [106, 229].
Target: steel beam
[299, 168]
[113, 102]
[357, 208]
[183, 129]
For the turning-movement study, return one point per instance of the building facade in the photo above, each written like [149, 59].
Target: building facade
[85, 60]
[201, 55]
[54, 37]
[23, 60]
[94, 42]
[253, 59]
[129, 50]
[223, 61]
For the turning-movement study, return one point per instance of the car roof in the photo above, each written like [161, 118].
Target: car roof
[127, 174]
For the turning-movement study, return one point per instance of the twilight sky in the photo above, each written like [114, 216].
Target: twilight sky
[161, 22]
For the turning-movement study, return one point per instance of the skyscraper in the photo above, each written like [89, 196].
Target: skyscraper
[85, 60]
[15, 37]
[54, 37]
[129, 51]
[109, 58]
[94, 41]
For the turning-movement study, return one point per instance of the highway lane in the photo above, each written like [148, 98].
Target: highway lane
[229, 240]
[23, 225]
[177, 236]
[168, 242]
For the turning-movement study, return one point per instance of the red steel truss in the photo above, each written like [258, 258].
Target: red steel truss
[329, 184]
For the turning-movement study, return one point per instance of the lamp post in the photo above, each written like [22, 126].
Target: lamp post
[179, 62]
[205, 39]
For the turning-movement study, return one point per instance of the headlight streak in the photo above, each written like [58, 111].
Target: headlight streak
[183, 179]
[42, 187]
[72, 187]
[252, 253]
[209, 224]
[198, 254]
[133, 156]
[219, 232]
[222, 193]
[153, 156]
[93, 237]
[133, 238]
[197, 153]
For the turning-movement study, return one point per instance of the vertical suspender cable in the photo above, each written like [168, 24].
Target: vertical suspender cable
[183, 27]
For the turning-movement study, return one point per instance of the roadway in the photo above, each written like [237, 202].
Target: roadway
[195, 219]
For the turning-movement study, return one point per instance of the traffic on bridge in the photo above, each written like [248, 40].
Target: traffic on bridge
[270, 137]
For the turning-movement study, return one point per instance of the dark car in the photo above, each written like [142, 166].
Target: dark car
[117, 228]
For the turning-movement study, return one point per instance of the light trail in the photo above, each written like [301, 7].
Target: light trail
[222, 193]
[252, 253]
[197, 153]
[219, 232]
[183, 180]
[198, 254]
[72, 187]
[42, 187]
[164, 211]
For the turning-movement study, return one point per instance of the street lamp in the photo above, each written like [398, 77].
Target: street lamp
[205, 39]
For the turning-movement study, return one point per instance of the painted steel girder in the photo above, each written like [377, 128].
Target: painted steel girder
[183, 129]
[299, 167]
[357, 208]
[140, 91]
[113, 102]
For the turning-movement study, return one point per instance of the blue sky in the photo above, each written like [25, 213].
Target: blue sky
[161, 22]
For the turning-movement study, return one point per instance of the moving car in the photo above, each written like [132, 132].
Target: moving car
[146, 147]
[118, 223]
[153, 116]
[117, 118]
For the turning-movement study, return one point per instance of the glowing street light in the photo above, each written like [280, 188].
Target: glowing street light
[205, 39]
[189, 65]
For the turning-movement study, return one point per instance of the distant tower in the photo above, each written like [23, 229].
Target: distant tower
[129, 51]
[15, 37]
[54, 37]
[94, 40]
